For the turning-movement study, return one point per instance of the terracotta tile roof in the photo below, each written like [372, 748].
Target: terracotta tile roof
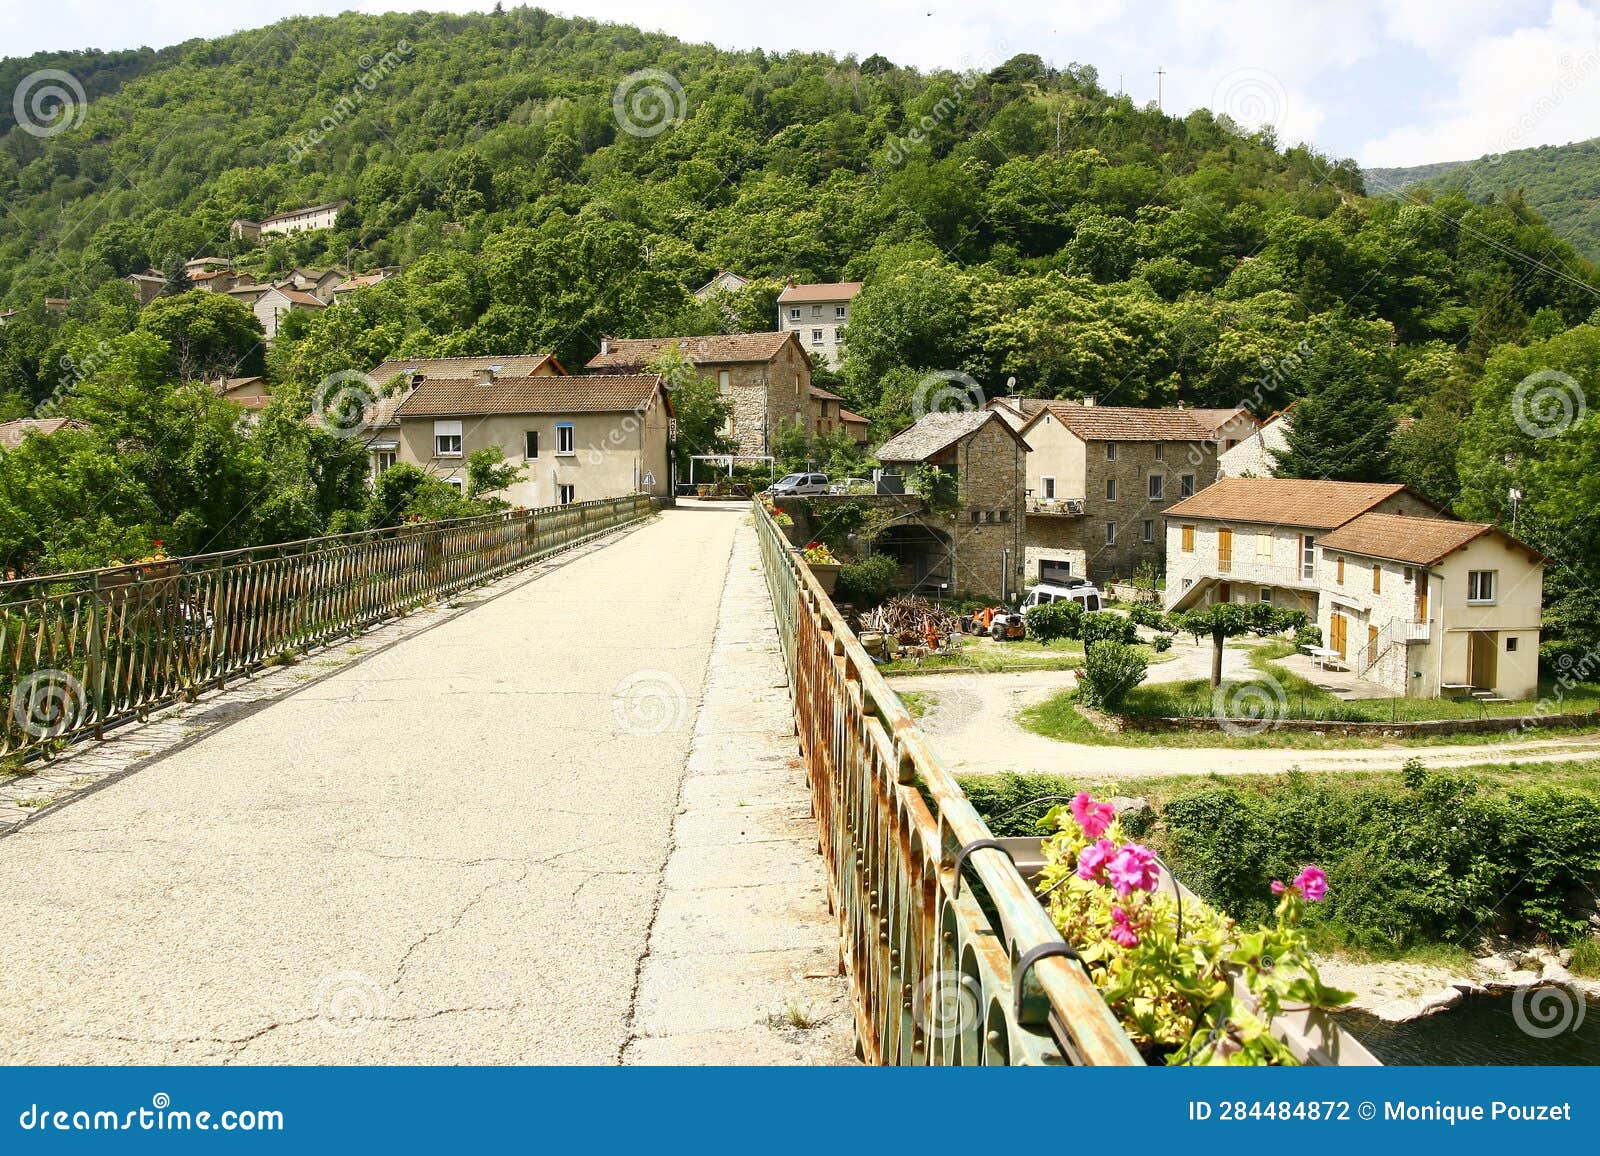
[1026, 406]
[229, 384]
[12, 432]
[1420, 541]
[1316, 505]
[1215, 419]
[1115, 423]
[824, 395]
[297, 212]
[819, 292]
[504, 365]
[588, 393]
[852, 418]
[936, 432]
[715, 349]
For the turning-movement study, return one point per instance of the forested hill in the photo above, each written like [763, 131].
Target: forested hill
[1561, 182]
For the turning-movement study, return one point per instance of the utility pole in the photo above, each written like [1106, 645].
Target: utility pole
[1160, 72]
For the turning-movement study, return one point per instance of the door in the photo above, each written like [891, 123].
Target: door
[1224, 592]
[1338, 630]
[1225, 551]
[1372, 645]
[1422, 597]
[1482, 651]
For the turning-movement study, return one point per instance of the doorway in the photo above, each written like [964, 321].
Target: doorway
[1483, 648]
[1338, 630]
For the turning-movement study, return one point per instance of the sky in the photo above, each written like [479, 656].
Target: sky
[1388, 82]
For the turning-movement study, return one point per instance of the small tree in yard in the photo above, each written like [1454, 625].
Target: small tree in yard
[1225, 620]
[1110, 671]
[1049, 621]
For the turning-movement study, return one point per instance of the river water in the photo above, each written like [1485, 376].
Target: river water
[1482, 1030]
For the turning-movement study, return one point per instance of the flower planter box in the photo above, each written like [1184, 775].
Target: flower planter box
[826, 574]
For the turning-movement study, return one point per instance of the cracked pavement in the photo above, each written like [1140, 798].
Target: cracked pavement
[451, 855]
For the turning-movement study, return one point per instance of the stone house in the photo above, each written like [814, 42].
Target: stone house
[1100, 479]
[147, 286]
[724, 282]
[765, 377]
[294, 221]
[976, 548]
[817, 313]
[13, 432]
[577, 438]
[250, 394]
[1252, 457]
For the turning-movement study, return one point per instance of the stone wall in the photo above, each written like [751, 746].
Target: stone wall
[1136, 514]
[1054, 538]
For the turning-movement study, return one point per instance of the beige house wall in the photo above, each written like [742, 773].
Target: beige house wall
[612, 453]
[814, 316]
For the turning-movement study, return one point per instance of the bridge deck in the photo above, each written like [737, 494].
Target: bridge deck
[451, 850]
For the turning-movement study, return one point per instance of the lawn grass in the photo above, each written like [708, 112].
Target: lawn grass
[918, 703]
[985, 655]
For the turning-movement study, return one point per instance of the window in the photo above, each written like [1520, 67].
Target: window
[1111, 533]
[454, 484]
[530, 443]
[816, 337]
[1339, 571]
[1264, 545]
[1111, 489]
[1149, 534]
[1111, 451]
[1047, 487]
[1188, 539]
[566, 495]
[816, 311]
[1480, 585]
[794, 314]
[1308, 556]
[447, 439]
[382, 460]
[1158, 487]
[724, 383]
[1186, 486]
[838, 312]
[1377, 578]
[1511, 644]
[1266, 595]
[1160, 452]
[566, 442]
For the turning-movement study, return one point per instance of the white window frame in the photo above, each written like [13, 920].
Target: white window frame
[794, 313]
[816, 337]
[1264, 545]
[1475, 579]
[1111, 451]
[566, 440]
[447, 434]
[1047, 486]
[838, 312]
[1308, 556]
[724, 382]
[566, 494]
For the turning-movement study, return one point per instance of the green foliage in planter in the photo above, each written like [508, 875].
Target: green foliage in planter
[1105, 626]
[1438, 861]
[1049, 621]
[867, 581]
[1110, 671]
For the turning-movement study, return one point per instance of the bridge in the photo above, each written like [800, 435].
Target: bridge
[593, 784]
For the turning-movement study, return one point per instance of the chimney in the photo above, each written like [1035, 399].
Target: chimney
[1180, 403]
[486, 375]
[605, 346]
[1088, 401]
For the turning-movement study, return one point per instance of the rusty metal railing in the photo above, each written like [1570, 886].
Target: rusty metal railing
[80, 652]
[950, 956]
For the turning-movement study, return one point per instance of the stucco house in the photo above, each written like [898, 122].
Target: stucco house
[725, 281]
[976, 548]
[276, 302]
[294, 221]
[13, 432]
[577, 438]
[817, 313]
[1100, 478]
[250, 394]
[765, 377]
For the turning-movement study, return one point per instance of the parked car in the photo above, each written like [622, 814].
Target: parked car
[852, 486]
[799, 486]
[1079, 590]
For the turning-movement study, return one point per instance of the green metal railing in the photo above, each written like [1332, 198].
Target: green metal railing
[950, 956]
[80, 652]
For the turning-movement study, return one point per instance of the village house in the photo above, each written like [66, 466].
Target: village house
[147, 286]
[248, 393]
[295, 221]
[764, 377]
[272, 303]
[974, 548]
[1253, 457]
[12, 433]
[342, 290]
[577, 438]
[817, 313]
[1101, 477]
[831, 416]
[1406, 595]
[724, 282]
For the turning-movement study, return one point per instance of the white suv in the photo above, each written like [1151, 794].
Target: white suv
[799, 485]
[1077, 590]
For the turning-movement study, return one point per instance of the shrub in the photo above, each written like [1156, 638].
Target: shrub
[1148, 616]
[1049, 621]
[1161, 643]
[867, 581]
[1110, 671]
[1308, 636]
[1105, 626]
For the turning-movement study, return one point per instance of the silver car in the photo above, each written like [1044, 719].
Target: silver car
[799, 485]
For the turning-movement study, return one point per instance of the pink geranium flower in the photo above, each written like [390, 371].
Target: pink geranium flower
[1312, 882]
[1093, 817]
[1092, 860]
[1133, 869]
[1122, 928]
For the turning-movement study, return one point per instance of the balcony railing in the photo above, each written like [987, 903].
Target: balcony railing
[80, 652]
[1059, 507]
[951, 958]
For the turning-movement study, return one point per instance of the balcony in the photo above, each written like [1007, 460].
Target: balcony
[1419, 631]
[1057, 507]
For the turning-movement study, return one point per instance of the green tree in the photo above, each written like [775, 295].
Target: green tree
[1343, 424]
[1224, 620]
[207, 335]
